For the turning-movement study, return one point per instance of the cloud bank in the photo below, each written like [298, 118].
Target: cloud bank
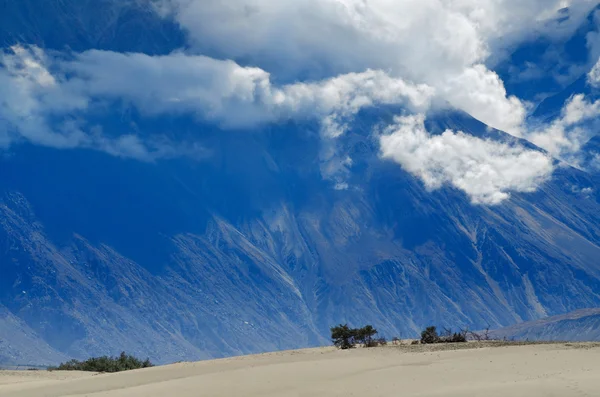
[46, 109]
[256, 62]
[442, 43]
[565, 136]
[578, 122]
[49, 107]
[231, 95]
[485, 170]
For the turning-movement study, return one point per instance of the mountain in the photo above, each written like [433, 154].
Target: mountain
[20, 345]
[591, 155]
[547, 71]
[124, 25]
[181, 260]
[249, 249]
[580, 325]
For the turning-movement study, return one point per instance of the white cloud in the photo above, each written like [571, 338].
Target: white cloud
[485, 170]
[29, 92]
[595, 161]
[42, 108]
[594, 75]
[565, 136]
[232, 95]
[442, 43]
[482, 94]
[213, 90]
[350, 54]
[241, 97]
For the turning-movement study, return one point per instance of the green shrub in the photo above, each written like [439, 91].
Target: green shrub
[430, 335]
[365, 335]
[123, 362]
[343, 336]
[457, 338]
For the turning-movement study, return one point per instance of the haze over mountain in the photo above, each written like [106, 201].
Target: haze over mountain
[580, 325]
[189, 179]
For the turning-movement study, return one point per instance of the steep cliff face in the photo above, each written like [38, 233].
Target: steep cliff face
[21, 346]
[247, 274]
[249, 249]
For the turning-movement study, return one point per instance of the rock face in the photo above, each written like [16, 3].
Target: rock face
[251, 250]
[580, 325]
[20, 345]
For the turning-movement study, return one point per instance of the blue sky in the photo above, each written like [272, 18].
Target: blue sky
[250, 63]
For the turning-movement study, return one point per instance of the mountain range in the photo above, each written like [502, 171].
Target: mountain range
[247, 248]
[580, 325]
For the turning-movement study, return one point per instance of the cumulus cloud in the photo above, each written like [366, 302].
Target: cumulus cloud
[487, 171]
[42, 108]
[232, 95]
[481, 99]
[594, 75]
[442, 43]
[565, 136]
[29, 93]
[269, 61]
[595, 161]
[49, 108]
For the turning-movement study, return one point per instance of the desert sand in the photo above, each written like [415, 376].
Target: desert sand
[483, 369]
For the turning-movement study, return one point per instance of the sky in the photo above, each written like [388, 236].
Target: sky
[251, 63]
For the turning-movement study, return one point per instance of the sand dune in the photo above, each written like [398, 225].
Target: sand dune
[560, 370]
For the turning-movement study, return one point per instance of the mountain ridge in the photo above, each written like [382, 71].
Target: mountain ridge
[579, 325]
[249, 249]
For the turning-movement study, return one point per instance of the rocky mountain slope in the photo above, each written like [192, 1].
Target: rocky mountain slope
[238, 276]
[249, 249]
[580, 325]
[20, 345]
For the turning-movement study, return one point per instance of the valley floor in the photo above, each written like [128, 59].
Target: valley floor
[473, 369]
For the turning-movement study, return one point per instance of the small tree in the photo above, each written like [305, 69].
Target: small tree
[430, 335]
[343, 336]
[459, 337]
[365, 335]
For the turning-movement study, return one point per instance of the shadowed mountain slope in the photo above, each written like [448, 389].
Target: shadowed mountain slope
[580, 325]
[248, 248]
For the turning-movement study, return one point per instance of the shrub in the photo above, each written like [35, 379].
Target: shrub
[343, 336]
[430, 335]
[124, 362]
[365, 335]
[458, 338]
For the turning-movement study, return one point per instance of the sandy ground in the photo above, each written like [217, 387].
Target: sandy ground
[485, 369]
